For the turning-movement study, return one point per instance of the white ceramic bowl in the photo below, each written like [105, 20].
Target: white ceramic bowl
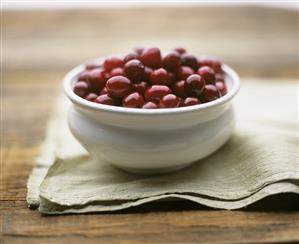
[153, 140]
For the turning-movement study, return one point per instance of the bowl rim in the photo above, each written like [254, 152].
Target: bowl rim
[67, 86]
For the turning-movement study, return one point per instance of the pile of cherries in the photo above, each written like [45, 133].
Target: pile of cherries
[146, 79]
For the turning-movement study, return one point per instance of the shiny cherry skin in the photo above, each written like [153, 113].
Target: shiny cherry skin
[112, 63]
[134, 70]
[119, 86]
[169, 101]
[150, 105]
[141, 87]
[151, 57]
[215, 64]
[91, 97]
[207, 73]
[171, 61]
[81, 88]
[116, 72]
[184, 72]
[160, 77]
[190, 101]
[180, 50]
[219, 77]
[194, 85]
[133, 100]
[147, 74]
[105, 99]
[178, 89]
[221, 87]
[190, 61]
[156, 92]
[96, 78]
[210, 93]
[131, 56]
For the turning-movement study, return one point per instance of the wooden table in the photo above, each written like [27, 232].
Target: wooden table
[40, 46]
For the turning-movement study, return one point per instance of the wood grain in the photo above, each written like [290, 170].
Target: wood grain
[39, 47]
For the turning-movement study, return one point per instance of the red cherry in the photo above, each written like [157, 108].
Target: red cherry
[160, 77]
[113, 62]
[184, 72]
[169, 101]
[219, 77]
[189, 60]
[210, 93]
[133, 100]
[105, 99]
[190, 101]
[147, 74]
[156, 92]
[180, 50]
[207, 73]
[215, 64]
[221, 87]
[84, 76]
[131, 56]
[116, 72]
[138, 50]
[119, 86]
[91, 97]
[179, 89]
[194, 85]
[151, 57]
[97, 79]
[141, 87]
[81, 88]
[171, 61]
[134, 70]
[150, 105]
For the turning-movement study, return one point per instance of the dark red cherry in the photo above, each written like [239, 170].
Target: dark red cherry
[81, 88]
[156, 92]
[169, 101]
[221, 87]
[84, 76]
[150, 105]
[190, 61]
[116, 72]
[207, 73]
[119, 86]
[160, 77]
[131, 56]
[133, 100]
[134, 70]
[141, 87]
[171, 61]
[97, 79]
[209, 93]
[147, 74]
[194, 85]
[91, 97]
[180, 50]
[151, 57]
[138, 50]
[190, 101]
[105, 99]
[112, 63]
[215, 64]
[184, 72]
[179, 89]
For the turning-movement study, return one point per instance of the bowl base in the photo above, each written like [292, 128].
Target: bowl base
[153, 171]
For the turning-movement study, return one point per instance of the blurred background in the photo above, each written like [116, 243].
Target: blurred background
[41, 41]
